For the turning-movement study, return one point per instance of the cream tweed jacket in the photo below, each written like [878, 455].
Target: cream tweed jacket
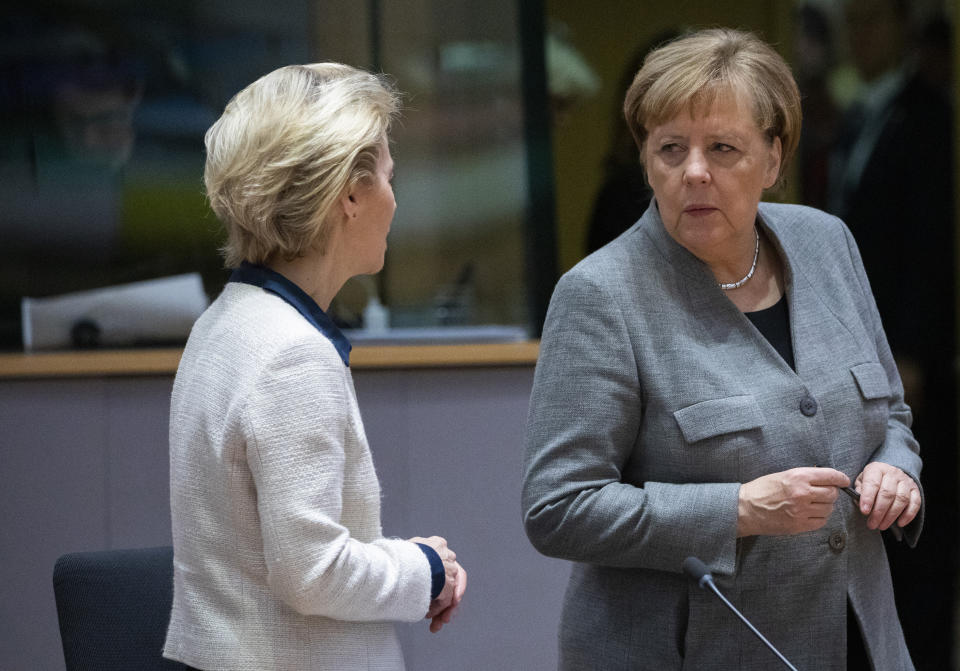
[279, 560]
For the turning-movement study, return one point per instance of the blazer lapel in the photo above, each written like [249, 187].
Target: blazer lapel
[819, 336]
[719, 315]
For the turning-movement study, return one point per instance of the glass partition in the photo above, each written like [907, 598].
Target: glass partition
[456, 248]
[104, 107]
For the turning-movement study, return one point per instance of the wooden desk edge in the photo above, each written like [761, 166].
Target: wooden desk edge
[165, 361]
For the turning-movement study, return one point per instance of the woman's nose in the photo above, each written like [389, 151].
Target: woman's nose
[696, 170]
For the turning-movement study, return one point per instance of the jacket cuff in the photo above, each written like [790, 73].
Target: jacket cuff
[438, 576]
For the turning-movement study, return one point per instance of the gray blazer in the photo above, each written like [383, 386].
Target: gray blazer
[655, 397]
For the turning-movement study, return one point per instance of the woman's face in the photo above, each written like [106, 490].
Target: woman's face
[708, 171]
[376, 206]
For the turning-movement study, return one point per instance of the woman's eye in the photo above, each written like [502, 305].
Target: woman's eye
[671, 148]
[723, 148]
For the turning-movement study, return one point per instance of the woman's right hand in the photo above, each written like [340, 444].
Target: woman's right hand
[788, 502]
[441, 608]
[440, 614]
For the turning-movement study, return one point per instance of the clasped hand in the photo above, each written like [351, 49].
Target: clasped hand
[802, 499]
[444, 607]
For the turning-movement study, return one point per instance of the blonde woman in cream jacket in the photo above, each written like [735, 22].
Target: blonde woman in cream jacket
[279, 558]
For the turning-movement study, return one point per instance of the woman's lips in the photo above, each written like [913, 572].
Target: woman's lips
[699, 210]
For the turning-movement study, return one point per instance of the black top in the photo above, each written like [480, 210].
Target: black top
[774, 323]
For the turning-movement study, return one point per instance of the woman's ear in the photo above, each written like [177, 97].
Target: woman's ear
[773, 165]
[348, 201]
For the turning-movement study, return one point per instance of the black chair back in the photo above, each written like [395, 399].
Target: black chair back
[114, 607]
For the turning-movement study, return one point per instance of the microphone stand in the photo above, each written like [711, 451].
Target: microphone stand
[697, 571]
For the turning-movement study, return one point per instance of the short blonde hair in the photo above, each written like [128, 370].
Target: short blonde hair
[284, 151]
[699, 67]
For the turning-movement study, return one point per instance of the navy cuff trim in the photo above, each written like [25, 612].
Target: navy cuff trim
[438, 576]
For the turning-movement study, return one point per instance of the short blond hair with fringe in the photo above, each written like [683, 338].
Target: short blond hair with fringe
[702, 66]
[284, 151]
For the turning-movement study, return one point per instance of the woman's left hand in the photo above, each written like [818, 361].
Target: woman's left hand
[438, 618]
[887, 495]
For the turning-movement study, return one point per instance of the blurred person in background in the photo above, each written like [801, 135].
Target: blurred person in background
[892, 181]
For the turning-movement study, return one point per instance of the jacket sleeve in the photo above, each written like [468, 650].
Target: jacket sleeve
[297, 423]
[583, 424]
[900, 448]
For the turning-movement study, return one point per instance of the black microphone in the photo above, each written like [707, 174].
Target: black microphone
[697, 571]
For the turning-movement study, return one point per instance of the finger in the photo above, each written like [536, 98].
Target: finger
[436, 624]
[900, 502]
[462, 583]
[908, 515]
[440, 604]
[809, 524]
[451, 555]
[912, 501]
[827, 477]
[869, 486]
[885, 500]
[459, 589]
[820, 494]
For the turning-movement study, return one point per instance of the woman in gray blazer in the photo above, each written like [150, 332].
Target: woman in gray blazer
[706, 385]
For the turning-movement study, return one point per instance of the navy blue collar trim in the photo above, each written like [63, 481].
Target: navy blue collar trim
[274, 282]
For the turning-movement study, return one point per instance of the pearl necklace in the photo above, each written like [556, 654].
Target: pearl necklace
[756, 254]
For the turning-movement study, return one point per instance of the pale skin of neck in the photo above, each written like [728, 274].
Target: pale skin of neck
[765, 288]
[321, 276]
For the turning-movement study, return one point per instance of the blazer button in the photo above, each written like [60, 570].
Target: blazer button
[808, 406]
[838, 541]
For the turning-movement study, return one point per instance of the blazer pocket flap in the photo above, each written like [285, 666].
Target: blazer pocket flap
[872, 380]
[718, 416]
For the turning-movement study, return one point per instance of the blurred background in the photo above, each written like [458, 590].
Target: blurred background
[513, 159]
[512, 163]
[105, 102]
